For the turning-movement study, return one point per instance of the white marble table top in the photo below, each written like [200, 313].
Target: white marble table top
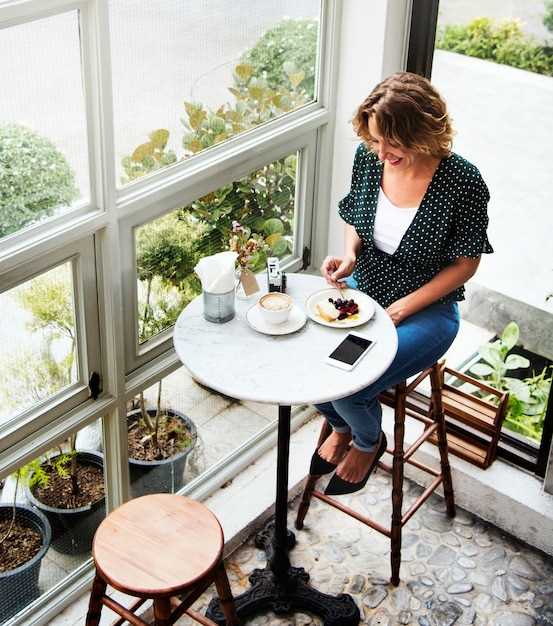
[239, 362]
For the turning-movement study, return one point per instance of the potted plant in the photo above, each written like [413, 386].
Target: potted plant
[527, 377]
[68, 487]
[25, 536]
[160, 441]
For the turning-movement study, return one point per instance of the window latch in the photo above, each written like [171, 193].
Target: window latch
[94, 385]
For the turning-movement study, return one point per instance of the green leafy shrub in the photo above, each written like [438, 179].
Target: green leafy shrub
[290, 45]
[527, 397]
[35, 178]
[548, 15]
[503, 42]
[165, 256]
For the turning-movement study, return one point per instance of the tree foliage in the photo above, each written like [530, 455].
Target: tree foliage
[35, 178]
[291, 44]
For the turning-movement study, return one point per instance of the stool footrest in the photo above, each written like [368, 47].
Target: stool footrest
[421, 499]
[346, 509]
[201, 619]
[418, 464]
[121, 610]
[428, 432]
[132, 609]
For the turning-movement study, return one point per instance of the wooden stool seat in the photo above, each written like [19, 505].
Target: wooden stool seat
[158, 547]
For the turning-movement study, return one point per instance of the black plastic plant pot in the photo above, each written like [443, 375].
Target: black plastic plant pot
[19, 586]
[167, 475]
[73, 529]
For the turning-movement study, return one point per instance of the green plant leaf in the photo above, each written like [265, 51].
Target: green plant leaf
[296, 78]
[243, 71]
[490, 353]
[273, 239]
[280, 248]
[510, 335]
[514, 361]
[481, 369]
[142, 151]
[273, 225]
[159, 138]
[518, 387]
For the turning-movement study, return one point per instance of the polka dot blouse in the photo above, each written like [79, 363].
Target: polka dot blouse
[450, 222]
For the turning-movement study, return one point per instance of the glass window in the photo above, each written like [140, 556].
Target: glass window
[59, 503]
[178, 429]
[189, 75]
[43, 136]
[38, 341]
[493, 64]
[260, 206]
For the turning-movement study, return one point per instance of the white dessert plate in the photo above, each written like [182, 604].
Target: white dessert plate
[365, 302]
[295, 321]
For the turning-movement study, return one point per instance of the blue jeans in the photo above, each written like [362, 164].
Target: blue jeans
[422, 339]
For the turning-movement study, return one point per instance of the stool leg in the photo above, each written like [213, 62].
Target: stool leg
[306, 500]
[311, 480]
[436, 381]
[397, 482]
[225, 596]
[95, 603]
[162, 612]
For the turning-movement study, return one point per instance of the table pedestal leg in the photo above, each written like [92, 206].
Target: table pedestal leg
[279, 587]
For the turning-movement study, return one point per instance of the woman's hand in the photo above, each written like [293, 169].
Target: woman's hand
[334, 268]
[399, 310]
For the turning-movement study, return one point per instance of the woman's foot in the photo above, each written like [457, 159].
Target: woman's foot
[353, 472]
[355, 465]
[335, 447]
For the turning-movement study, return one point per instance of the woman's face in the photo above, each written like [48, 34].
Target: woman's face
[397, 157]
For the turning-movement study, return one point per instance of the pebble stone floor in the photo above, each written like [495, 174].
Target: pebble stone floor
[461, 571]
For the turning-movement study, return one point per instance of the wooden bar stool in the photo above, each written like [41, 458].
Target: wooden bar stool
[434, 423]
[158, 547]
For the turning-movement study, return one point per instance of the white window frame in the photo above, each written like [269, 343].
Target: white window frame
[81, 255]
[44, 236]
[97, 230]
[304, 145]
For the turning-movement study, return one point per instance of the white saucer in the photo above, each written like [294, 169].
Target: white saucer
[365, 302]
[295, 321]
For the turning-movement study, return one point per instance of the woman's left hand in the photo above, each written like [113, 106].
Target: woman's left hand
[399, 310]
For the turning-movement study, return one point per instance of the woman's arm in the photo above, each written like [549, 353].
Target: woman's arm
[333, 267]
[449, 279]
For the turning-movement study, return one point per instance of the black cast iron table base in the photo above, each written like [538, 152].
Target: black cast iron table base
[279, 587]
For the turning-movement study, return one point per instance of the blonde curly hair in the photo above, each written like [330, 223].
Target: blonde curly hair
[409, 112]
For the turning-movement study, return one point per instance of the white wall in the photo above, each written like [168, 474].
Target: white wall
[373, 36]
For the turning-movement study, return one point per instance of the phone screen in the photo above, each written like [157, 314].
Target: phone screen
[351, 349]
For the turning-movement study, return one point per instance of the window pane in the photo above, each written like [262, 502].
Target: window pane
[168, 248]
[43, 142]
[47, 492]
[38, 349]
[191, 74]
[495, 70]
[203, 427]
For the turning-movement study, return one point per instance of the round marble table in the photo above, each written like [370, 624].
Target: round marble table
[239, 362]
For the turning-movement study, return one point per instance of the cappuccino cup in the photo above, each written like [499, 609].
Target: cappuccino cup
[275, 307]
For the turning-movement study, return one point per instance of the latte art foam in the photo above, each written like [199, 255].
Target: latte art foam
[275, 303]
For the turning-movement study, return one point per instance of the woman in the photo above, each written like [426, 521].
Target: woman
[415, 229]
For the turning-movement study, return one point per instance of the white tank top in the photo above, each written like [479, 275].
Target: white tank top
[390, 224]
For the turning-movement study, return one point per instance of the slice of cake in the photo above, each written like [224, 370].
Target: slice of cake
[327, 311]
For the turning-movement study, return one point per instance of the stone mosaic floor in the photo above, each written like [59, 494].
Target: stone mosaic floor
[462, 571]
